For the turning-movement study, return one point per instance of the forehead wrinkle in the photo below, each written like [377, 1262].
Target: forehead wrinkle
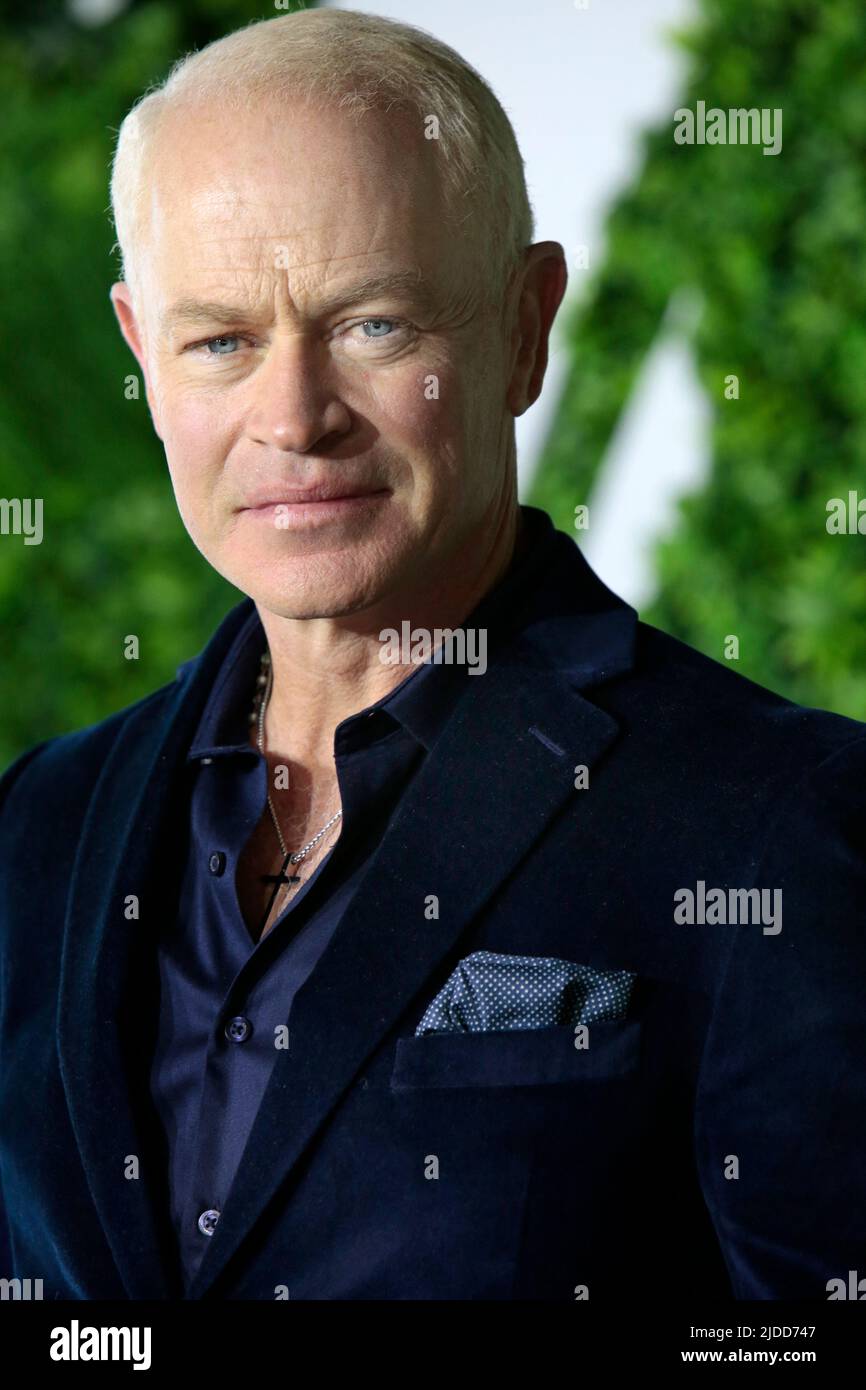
[412, 281]
[225, 210]
[190, 308]
[204, 242]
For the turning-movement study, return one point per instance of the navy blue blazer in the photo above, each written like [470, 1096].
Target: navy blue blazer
[708, 1142]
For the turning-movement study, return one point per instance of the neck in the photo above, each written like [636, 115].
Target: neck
[326, 669]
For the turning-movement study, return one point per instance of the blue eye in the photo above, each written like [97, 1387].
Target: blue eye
[224, 338]
[379, 322]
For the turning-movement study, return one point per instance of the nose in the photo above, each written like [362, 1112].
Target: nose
[296, 401]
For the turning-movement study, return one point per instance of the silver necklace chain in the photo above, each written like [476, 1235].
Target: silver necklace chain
[266, 679]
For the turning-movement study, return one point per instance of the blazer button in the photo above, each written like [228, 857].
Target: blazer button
[238, 1029]
[207, 1221]
[217, 862]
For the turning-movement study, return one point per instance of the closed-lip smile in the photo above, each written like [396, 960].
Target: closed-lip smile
[297, 497]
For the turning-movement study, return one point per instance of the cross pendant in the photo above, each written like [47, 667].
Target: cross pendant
[277, 880]
[281, 878]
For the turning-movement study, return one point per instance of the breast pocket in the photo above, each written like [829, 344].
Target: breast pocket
[523, 1057]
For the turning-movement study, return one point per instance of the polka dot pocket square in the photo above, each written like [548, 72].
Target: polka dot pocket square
[490, 992]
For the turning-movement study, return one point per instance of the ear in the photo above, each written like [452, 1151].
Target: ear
[539, 294]
[131, 329]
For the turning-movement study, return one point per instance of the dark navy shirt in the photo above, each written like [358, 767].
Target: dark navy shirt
[225, 1005]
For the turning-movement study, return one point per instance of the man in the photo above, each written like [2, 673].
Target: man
[526, 965]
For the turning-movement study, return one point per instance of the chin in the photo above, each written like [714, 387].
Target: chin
[312, 576]
[316, 586]
[327, 604]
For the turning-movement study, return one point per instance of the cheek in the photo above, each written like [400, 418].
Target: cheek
[414, 404]
[196, 438]
[458, 400]
[423, 417]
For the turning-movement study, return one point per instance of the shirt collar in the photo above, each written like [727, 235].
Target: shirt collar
[422, 703]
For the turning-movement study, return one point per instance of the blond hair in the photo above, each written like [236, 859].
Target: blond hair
[354, 62]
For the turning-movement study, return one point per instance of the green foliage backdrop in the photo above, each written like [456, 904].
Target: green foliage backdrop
[774, 247]
[115, 558]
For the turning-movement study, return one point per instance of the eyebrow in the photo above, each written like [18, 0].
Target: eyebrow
[408, 283]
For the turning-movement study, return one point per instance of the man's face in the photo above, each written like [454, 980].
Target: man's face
[308, 379]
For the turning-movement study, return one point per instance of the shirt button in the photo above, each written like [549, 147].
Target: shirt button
[238, 1029]
[207, 1221]
[217, 862]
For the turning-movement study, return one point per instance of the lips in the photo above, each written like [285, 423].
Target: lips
[293, 497]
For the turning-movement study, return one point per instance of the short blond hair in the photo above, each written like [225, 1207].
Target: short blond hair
[353, 62]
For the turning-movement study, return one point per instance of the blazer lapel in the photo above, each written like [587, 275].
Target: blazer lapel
[106, 1003]
[519, 731]
[514, 741]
